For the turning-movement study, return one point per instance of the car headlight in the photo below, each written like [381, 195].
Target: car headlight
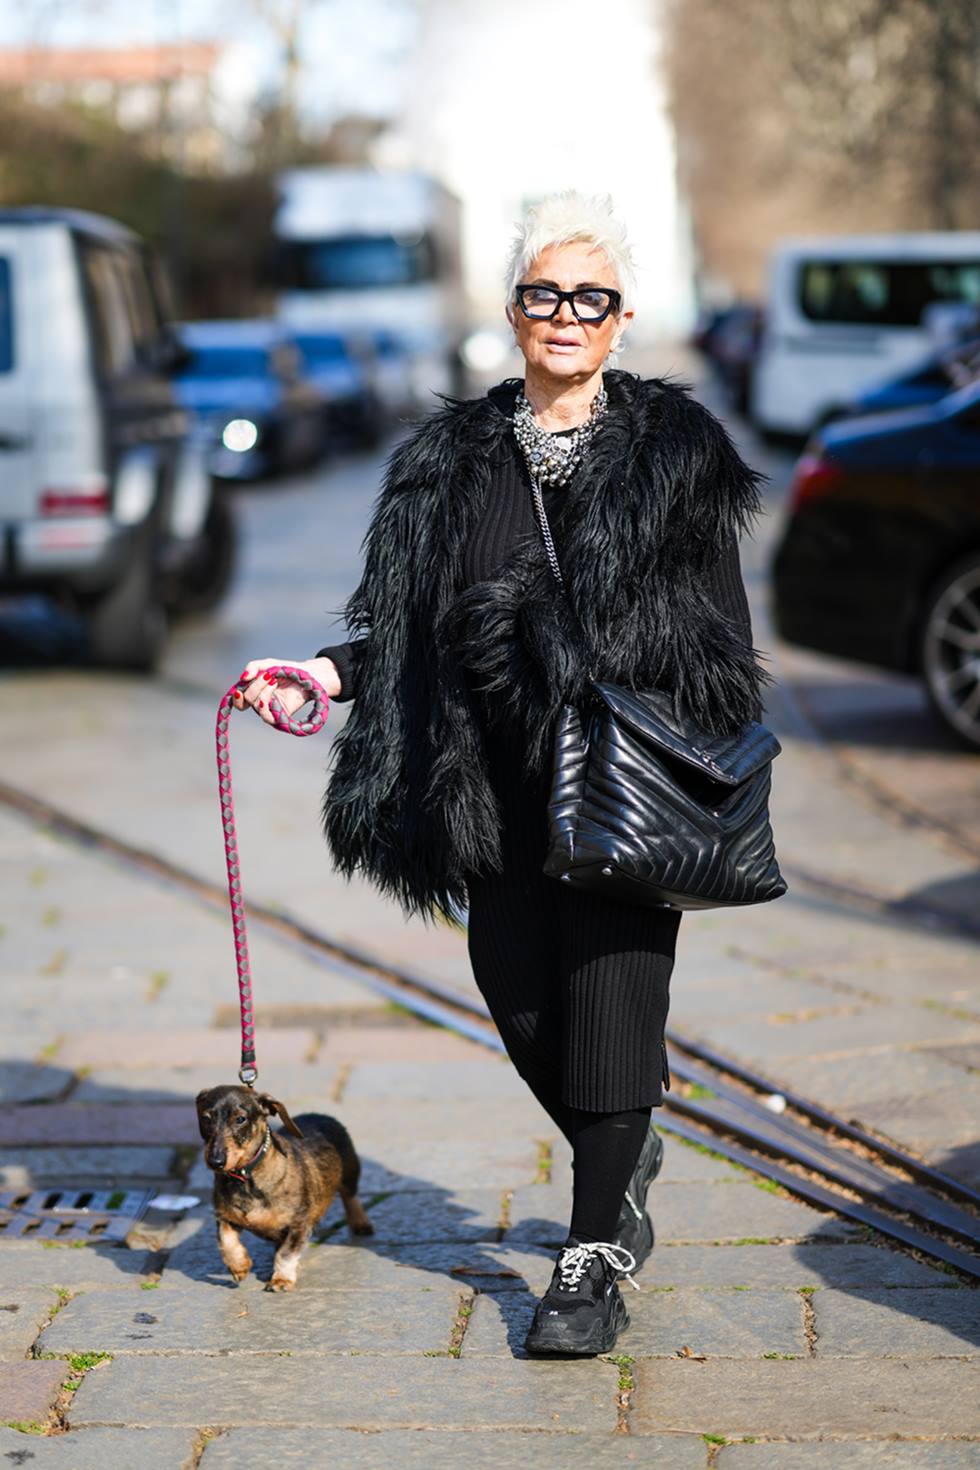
[240, 435]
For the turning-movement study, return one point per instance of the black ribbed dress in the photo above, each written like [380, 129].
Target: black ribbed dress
[578, 984]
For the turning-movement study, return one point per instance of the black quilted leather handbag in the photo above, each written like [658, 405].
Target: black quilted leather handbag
[649, 807]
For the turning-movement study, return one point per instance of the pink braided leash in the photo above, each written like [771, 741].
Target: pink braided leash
[248, 1072]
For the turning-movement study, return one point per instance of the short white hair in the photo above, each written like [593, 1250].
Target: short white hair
[570, 216]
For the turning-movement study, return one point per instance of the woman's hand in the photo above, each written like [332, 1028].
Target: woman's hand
[262, 685]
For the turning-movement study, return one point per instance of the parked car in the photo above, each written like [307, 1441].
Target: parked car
[342, 374]
[734, 349]
[879, 560]
[843, 311]
[391, 372]
[709, 320]
[256, 413]
[106, 505]
[928, 380]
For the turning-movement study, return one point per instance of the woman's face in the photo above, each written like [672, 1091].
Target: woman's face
[565, 348]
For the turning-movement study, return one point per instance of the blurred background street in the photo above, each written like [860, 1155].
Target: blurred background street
[240, 252]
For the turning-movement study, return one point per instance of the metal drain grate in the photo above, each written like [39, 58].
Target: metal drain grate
[71, 1214]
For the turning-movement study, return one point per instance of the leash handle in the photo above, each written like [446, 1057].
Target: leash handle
[317, 695]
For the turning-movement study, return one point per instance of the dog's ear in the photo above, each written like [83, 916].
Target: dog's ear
[271, 1105]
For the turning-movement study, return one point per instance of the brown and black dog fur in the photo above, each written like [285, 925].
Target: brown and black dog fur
[283, 1193]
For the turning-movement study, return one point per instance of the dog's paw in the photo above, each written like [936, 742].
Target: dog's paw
[238, 1273]
[280, 1283]
[363, 1227]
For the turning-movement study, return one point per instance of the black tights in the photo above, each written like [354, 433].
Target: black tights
[605, 1148]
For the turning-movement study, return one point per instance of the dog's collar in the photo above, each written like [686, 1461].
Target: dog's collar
[245, 1172]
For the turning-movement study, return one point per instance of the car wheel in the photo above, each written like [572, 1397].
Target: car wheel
[203, 582]
[949, 649]
[127, 626]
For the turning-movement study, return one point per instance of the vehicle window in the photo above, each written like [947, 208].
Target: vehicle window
[115, 341]
[228, 362]
[144, 324]
[6, 318]
[355, 263]
[883, 293]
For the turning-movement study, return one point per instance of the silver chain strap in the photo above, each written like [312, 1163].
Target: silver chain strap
[549, 544]
[552, 555]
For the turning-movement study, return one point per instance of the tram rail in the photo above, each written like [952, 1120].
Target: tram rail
[826, 1160]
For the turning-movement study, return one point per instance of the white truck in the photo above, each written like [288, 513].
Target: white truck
[370, 254]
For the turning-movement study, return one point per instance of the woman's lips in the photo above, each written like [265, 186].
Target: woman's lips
[562, 344]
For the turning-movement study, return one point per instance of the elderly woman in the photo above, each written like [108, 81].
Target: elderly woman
[465, 651]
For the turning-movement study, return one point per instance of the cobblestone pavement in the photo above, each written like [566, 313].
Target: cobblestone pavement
[763, 1330]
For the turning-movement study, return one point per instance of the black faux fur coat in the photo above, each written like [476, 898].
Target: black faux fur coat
[661, 497]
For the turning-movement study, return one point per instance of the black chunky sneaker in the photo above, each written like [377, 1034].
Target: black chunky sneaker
[634, 1228]
[583, 1310]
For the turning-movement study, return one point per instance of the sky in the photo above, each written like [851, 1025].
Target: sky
[503, 99]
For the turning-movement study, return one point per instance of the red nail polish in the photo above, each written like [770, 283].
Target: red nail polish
[261, 704]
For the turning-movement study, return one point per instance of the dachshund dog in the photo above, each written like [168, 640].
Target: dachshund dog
[276, 1184]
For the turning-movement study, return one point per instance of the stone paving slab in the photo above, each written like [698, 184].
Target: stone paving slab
[209, 1319]
[783, 997]
[900, 1323]
[688, 1212]
[965, 1056]
[420, 1043]
[786, 1266]
[939, 1120]
[373, 1123]
[197, 1047]
[28, 1391]
[446, 1393]
[853, 1084]
[805, 1399]
[22, 1311]
[22, 1168]
[421, 1449]
[520, 1267]
[60, 1124]
[284, 1080]
[860, 950]
[74, 1267]
[728, 1324]
[500, 1162]
[29, 1081]
[99, 1449]
[467, 1214]
[486, 1267]
[770, 1045]
[686, 1164]
[402, 1081]
[866, 1455]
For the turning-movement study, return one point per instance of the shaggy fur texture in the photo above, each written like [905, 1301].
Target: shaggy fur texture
[660, 500]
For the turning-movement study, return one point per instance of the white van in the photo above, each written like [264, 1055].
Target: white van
[106, 506]
[843, 311]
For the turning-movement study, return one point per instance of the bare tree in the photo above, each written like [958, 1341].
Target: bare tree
[795, 116]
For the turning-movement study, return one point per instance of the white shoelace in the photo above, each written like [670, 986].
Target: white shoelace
[574, 1260]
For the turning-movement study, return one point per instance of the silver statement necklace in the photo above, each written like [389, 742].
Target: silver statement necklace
[553, 458]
